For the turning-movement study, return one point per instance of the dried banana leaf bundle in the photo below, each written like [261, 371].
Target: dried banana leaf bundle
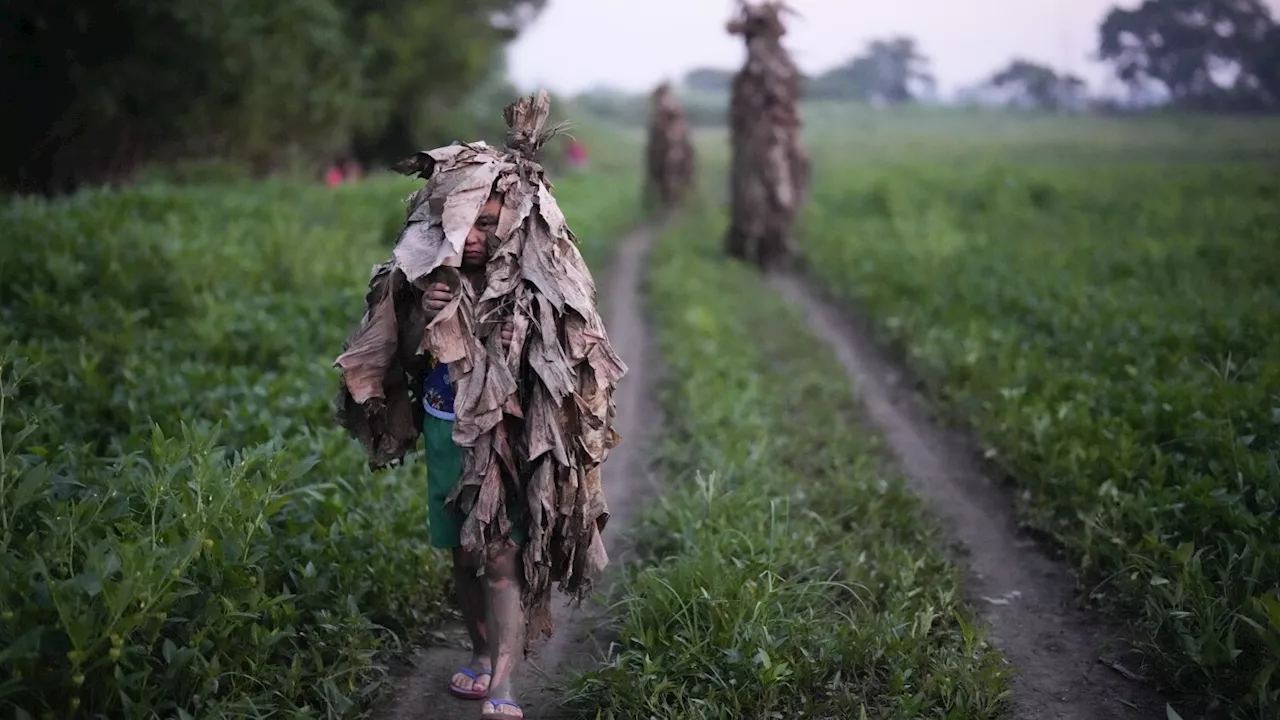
[769, 169]
[669, 155]
[536, 415]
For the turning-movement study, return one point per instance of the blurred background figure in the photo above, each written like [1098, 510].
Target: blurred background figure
[333, 176]
[343, 170]
[769, 173]
[575, 155]
[669, 155]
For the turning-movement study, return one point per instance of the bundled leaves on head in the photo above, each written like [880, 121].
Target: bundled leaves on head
[538, 412]
[770, 170]
[670, 160]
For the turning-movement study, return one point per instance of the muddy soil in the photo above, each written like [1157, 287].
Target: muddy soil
[1069, 664]
[423, 694]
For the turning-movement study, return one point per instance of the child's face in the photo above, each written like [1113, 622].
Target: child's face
[475, 253]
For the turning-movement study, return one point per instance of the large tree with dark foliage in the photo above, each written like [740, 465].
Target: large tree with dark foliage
[1213, 54]
[105, 85]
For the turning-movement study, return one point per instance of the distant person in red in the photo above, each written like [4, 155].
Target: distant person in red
[343, 171]
[576, 154]
[333, 176]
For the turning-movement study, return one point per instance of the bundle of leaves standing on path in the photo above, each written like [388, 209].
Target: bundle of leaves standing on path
[770, 170]
[539, 412]
[669, 155]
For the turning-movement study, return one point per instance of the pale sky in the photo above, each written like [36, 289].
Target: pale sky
[633, 44]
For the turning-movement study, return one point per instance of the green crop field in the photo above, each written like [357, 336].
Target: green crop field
[184, 531]
[1098, 300]
[786, 571]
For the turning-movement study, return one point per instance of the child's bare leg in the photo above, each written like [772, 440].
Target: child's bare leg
[471, 592]
[506, 622]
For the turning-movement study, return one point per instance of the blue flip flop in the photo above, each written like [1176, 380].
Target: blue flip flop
[500, 716]
[470, 693]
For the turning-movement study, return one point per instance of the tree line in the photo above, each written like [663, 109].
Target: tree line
[1221, 55]
[99, 88]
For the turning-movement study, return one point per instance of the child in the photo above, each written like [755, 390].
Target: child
[488, 310]
[496, 636]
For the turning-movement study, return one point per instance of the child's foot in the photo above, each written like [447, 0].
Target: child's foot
[500, 710]
[471, 683]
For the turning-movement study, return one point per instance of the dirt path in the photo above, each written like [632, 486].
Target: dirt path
[423, 695]
[1068, 663]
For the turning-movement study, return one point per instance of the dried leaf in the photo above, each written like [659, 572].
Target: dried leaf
[372, 349]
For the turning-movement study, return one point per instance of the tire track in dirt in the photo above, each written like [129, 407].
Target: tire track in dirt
[1067, 663]
[423, 695]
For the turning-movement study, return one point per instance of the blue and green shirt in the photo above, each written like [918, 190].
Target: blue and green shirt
[437, 392]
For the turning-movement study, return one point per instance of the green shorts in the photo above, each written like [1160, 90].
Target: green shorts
[444, 465]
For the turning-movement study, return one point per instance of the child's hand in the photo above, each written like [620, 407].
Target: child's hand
[438, 296]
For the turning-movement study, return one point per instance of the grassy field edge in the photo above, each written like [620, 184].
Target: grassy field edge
[1104, 336]
[786, 572]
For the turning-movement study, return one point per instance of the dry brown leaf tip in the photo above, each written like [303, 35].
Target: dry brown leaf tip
[755, 19]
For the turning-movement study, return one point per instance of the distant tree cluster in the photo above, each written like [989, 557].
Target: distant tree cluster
[1216, 55]
[1033, 86]
[888, 71]
[107, 85]
[1206, 54]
